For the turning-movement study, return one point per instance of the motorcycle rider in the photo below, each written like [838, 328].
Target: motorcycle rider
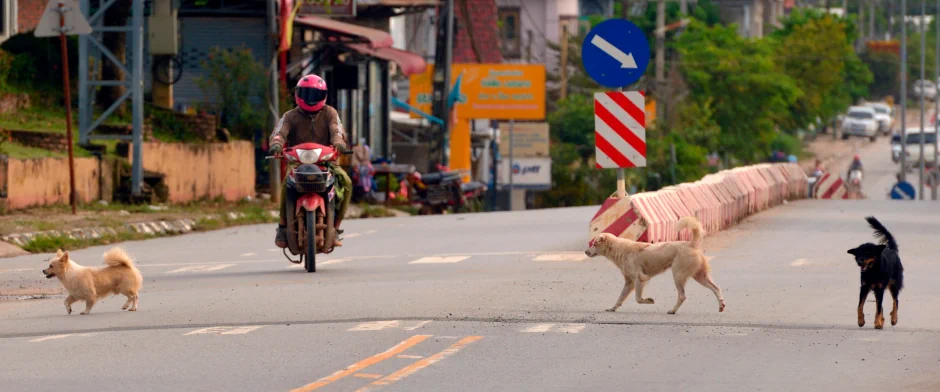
[856, 165]
[312, 121]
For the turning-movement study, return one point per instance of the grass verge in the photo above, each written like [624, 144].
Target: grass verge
[51, 243]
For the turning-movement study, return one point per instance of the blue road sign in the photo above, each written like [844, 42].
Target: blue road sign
[903, 190]
[615, 53]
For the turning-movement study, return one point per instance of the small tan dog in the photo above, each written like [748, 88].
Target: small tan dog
[640, 261]
[120, 276]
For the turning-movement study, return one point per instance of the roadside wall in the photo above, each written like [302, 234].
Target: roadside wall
[45, 181]
[201, 171]
[193, 172]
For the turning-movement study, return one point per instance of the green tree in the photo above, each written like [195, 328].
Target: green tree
[748, 94]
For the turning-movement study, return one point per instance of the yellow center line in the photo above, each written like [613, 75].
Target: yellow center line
[397, 349]
[414, 367]
[367, 375]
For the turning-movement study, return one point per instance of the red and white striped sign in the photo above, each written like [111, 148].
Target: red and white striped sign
[620, 129]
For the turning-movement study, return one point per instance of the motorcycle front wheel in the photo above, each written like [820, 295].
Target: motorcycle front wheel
[310, 258]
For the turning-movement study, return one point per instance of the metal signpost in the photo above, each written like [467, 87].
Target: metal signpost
[903, 71]
[923, 107]
[615, 54]
[61, 18]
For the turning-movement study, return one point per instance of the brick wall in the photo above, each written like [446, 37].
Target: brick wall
[28, 13]
[482, 26]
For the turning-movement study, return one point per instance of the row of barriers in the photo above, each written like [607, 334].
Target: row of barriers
[718, 200]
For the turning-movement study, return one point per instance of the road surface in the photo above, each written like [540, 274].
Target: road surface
[494, 302]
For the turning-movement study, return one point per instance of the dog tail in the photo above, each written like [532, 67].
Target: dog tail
[691, 223]
[117, 257]
[882, 234]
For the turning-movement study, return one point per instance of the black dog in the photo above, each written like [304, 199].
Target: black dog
[881, 268]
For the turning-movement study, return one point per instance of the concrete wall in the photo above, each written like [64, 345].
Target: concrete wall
[199, 171]
[45, 181]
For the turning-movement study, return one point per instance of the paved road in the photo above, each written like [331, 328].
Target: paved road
[501, 302]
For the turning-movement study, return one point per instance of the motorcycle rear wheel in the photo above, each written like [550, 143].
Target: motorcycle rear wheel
[310, 258]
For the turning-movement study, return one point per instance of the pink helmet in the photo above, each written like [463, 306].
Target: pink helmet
[310, 94]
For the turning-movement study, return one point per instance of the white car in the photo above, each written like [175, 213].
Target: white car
[860, 122]
[884, 115]
[926, 88]
[913, 146]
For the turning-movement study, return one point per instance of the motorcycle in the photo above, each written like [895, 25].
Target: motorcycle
[437, 192]
[311, 202]
[855, 183]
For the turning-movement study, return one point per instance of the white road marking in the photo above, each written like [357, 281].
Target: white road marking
[559, 328]
[375, 325]
[201, 268]
[439, 260]
[580, 256]
[2, 271]
[387, 324]
[539, 328]
[225, 330]
[354, 235]
[417, 325]
[248, 254]
[799, 263]
[570, 328]
[50, 338]
[53, 337]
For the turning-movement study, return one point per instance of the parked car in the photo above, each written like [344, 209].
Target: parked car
[884, 114]
[913, 146]
[860, 122]
[896, 148]
[926, 88]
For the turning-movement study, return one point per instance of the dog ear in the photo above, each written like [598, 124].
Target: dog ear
[58, 253]
[853, 251]
[64, 256]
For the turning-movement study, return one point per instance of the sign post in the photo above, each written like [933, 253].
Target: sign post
[615, 54]
[64, 19]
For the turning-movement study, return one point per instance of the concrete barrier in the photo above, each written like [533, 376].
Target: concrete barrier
[830, 186]
[719, 201]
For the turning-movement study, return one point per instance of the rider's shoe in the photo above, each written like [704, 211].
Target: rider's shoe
[336, 225]
[280, 240]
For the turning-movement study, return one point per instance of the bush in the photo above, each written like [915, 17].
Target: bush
[234, 87]
[37, 61]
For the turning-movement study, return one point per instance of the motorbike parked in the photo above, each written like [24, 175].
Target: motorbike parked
[445, 190]
[311, 202]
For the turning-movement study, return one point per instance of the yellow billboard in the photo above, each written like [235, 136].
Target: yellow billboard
[492, 91]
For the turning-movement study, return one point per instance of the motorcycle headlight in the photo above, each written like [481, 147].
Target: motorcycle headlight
[309, 156]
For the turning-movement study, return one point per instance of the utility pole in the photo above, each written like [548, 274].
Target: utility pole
[871, 18]
[923, 107]
[660, 57]
[936, 108]
[443, 58]
[903, 68]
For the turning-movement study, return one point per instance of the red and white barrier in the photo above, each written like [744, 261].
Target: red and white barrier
[830, 186]
[718, 201]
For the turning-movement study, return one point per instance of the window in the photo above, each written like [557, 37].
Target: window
[861, 115]
[510, 40]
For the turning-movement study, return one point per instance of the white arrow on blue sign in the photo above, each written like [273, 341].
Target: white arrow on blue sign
[615, 53]
[903, 190]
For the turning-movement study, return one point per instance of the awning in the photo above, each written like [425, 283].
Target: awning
[375, 38]
[409, 63]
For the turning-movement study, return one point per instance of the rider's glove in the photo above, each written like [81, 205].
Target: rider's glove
[340, 147]
[276, 149]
